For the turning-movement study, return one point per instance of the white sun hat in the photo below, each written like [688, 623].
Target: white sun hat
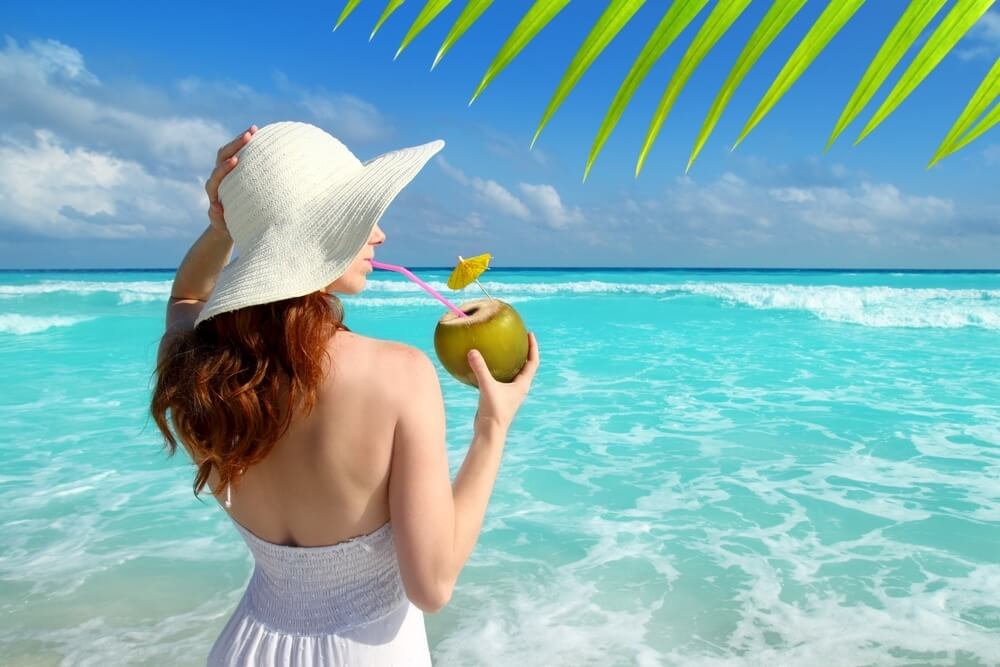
[300, 207]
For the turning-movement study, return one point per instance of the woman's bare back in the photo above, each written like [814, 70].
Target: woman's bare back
[327, 479]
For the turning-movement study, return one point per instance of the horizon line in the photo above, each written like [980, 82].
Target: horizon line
[570, 268]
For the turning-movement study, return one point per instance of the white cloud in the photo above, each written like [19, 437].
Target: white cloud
[488, 191]
[540, 203]
[44, 59]
[545, 200]
[983, 38]
[351, 118]
[75, 192]
[81, 156]
[735, 209]
[451, 170]
[733, 217]
[864, 208]
[47, 84]
[497, 196]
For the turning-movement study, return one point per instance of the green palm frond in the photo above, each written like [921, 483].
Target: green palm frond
[985, 95]
[715, 26]
[777, 17]
[537, 18]
[829, 23]
[390, 7]
[680, 14]
[473, 10]
[976, 118]
[988, 121]
[424, 18]
[955, 24]
[348, 8]
[614, 18]
[903, 35]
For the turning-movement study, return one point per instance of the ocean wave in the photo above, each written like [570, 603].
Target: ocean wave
[424, 300]
[29, 324]
[128, 292]
[873, 306]
[575, 287]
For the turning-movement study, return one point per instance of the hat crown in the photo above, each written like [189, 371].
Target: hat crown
[280, 176]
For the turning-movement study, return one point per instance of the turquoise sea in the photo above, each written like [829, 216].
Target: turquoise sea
[713, 468]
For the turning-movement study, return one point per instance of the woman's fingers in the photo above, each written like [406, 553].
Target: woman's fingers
[224, 164]
[230, 149]
[212, 184]
[527, 372]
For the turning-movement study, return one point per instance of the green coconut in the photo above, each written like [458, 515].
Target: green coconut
[494, 328]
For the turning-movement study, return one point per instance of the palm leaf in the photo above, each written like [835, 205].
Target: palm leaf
[473, 10]
[390, 7]
[348, 8]
[614, 18]
[829, 23]
[955, 24]
[987, 121]
[718, 22]
[537, 18]
[907, 30]
[984, 96]
[776, 19]
[904, 33]
[680, 14]
[424, 18]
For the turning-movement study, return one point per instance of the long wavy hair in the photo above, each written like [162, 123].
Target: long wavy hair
[228, 389]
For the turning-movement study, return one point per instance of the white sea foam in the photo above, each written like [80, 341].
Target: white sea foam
[127, 291]
[576, 286]
[868, 306]
[425, 300]
[20, 325]
[872, 306]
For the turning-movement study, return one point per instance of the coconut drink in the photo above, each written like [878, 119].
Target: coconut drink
[489, 325]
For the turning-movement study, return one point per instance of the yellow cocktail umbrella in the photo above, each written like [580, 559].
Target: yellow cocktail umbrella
[468, 270]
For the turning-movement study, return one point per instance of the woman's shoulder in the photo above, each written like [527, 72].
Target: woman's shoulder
[390, 356]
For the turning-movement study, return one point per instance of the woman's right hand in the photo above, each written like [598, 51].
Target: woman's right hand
[499, 401]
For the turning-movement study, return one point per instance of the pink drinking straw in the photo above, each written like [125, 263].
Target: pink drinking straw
[427, 288]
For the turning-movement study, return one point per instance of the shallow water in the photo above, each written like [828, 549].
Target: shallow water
[713, 468]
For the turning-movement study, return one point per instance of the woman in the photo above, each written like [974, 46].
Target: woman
[326, 447]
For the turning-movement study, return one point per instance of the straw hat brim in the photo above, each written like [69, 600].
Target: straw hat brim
[271, 271]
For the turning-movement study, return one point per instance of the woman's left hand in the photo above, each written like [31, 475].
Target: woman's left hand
[225, 161]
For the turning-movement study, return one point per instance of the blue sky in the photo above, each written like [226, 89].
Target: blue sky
[110, 115]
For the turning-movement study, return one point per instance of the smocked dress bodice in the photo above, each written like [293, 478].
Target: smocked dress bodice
[342, 604]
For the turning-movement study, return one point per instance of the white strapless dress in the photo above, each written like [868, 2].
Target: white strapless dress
[342, 604]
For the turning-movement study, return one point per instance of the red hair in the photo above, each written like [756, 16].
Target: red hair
[227, 389]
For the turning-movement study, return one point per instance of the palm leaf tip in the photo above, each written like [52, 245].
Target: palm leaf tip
[534, 138]
[962, 16]
[536, 18]
[673, 23]
[437, 59]
[617, 14]
[836, 14]
[345, 12]
[906, 31]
